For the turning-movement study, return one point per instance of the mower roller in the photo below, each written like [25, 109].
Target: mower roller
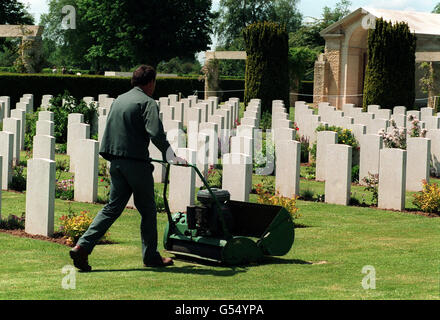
[224, 231]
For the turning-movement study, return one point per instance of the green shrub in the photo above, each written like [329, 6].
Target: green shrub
[214, 178]
[355, 173]
[372, 182]
[73, 226]
[62, 165]
[18, 182]
[266, 121]
[267, 71]
[309, 172]
[62, 106]
[307, 194]
[160, 202]
[390, 77]
[428, 200]
[13, 222]
[345, 136]
[267, 186]
[64, 189]
[31, 130]
[61, 148]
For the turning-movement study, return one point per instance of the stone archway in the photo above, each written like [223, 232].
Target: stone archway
[354, 61]
[211, 69]
[31, 42]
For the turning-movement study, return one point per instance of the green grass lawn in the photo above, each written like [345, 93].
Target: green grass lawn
[325, 262]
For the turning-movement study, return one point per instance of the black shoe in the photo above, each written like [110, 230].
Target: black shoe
[80, 259]
[160, 262]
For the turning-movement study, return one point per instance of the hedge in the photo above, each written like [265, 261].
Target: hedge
[16, 85]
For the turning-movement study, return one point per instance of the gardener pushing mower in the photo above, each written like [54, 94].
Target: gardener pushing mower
[132, 122]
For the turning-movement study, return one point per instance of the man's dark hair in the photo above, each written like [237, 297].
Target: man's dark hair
[143, 75]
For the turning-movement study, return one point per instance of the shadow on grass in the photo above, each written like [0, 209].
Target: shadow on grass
[276, 260]
[184, 270]
[220, 271]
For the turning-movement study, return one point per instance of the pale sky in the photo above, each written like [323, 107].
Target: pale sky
[309, 8]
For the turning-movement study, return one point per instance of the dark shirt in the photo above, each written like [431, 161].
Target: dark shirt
[132, 122]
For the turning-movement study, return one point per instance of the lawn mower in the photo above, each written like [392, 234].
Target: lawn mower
[224, 231]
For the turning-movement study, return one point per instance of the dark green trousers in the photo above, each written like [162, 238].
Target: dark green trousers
[127, 177]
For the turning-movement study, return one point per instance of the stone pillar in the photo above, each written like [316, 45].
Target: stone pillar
[86, 171]
[237, 176]
[182, 182]
[418, 163]
[7, 153]
[320, 88]
[324, 139]
[338, 179]
[288, 161]
[392, 179]
[371, 144]
[40, 197]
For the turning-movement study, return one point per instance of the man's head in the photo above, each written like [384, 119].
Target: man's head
[144, 77]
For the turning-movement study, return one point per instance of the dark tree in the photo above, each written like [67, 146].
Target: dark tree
[390, 73]
[235, 15]
[14, 12]
[267, 71]
[129, 32]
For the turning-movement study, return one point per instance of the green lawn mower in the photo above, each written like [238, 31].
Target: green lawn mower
[224, 231]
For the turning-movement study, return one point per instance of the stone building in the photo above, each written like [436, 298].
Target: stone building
[340, 70]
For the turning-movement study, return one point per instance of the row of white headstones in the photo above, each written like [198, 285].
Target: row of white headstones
[399, 170]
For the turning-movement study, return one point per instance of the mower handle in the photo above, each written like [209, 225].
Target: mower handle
[167, 208]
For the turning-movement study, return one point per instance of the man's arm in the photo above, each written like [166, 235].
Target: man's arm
[154, 128]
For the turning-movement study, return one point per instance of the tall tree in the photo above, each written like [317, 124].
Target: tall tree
[267, 68]
[14, 12]
[436, 8]
[65, 47]
[390, 77]
[235, 15]
[129, 32]
[308, 35]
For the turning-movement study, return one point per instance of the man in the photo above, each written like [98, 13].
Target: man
[132, 122]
